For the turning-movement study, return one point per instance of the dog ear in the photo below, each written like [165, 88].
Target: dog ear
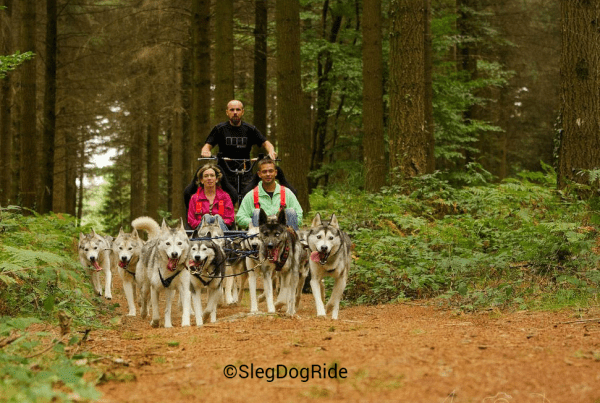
[281, 219]
[120, 231]
[262, 217]
[316, 221]
[134, 233]
[250, 225]
[208, 235]
[81, 236]
[164, 225]
[195, 234]
[181, 226]
[334, 222]
[93, 233]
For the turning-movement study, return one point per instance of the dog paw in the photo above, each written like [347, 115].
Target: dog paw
[131, 314]
[280, 305]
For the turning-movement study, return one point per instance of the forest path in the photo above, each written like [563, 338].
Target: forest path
[410, 352]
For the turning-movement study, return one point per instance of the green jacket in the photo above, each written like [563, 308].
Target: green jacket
[268, 204]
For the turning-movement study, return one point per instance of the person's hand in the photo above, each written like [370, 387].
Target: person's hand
[273, 155]
[205, 154]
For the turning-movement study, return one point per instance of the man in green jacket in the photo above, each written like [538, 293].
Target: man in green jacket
[269, 196]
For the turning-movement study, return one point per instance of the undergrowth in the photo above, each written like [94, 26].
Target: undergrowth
[518, 244]
[40, 282]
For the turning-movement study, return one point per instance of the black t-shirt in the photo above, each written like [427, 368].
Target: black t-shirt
[235, 141]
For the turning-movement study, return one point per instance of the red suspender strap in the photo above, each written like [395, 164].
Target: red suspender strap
[198, 202]
[282, 198]
[256, 202]
[221, 208]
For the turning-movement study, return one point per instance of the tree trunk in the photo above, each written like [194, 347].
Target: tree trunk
[6, 99]
[177, 166]
[200, 110]
[47, 155]
[59, 181]
[260, 67]
[29, 167]
[136, 206]
[223, 58]
[293, 143]
[408, 140]
[428, 98]
[580, 90]
[152, 188]
[373, 141]
[324, 93]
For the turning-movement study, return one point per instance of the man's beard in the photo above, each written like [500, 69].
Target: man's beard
[235, 120]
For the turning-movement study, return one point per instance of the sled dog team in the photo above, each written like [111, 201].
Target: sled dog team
[170, 261]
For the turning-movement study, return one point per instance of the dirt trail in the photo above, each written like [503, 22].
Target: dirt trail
[399, 352]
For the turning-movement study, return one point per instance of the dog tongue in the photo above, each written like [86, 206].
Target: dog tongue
[172, 264]
[315, 257]
[122, 264]
[274, 255]
[96, 265]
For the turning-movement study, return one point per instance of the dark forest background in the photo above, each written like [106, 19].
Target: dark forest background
[353, 93]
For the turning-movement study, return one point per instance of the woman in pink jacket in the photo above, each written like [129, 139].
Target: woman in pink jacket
[210, 202]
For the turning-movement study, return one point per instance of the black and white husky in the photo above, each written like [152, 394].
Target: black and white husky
[281, 254]
[330, 255]
[163, 267]
[127, 249]
[207, 267]
[94, 254]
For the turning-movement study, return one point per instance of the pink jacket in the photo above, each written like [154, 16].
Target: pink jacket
[226, 207]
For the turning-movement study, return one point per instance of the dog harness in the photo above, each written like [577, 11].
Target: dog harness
[282, 198]
[279, 263]
[221, 205]
[167, 282]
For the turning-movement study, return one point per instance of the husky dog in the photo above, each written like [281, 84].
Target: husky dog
[280, 253]
[253, 244]
[163, 268]
[127, 249]
[207, 268]
[94, 253]
[329, 256]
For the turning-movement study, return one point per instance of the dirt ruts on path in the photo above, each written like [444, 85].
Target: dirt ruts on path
[398, 352]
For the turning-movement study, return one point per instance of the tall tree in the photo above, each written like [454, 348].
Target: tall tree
[153, 170]
[177, 163]
[260, 66]
[580, 90]
[293, 144]
[224, 66]
[373, 141]
[325, 60]
[6, 138]
[428, 98]
[407, 137]
[200, 108]
[29, 168]
[47, 156]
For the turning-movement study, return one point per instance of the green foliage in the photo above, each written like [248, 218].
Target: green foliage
[507, 245]
[11, 62]
[39, 277]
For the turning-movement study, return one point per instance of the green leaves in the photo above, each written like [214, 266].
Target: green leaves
[476, 246]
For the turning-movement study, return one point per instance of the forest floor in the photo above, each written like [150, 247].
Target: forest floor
[406, 352]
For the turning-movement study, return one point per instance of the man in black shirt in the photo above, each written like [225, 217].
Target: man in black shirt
[235, 140]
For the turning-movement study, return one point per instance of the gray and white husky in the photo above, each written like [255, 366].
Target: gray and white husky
[281, 254]
[163, 268]
[206, 264]
[94, 254]
[127, 249]
[330, 255]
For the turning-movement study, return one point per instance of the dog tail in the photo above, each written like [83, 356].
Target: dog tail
[147, 224]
